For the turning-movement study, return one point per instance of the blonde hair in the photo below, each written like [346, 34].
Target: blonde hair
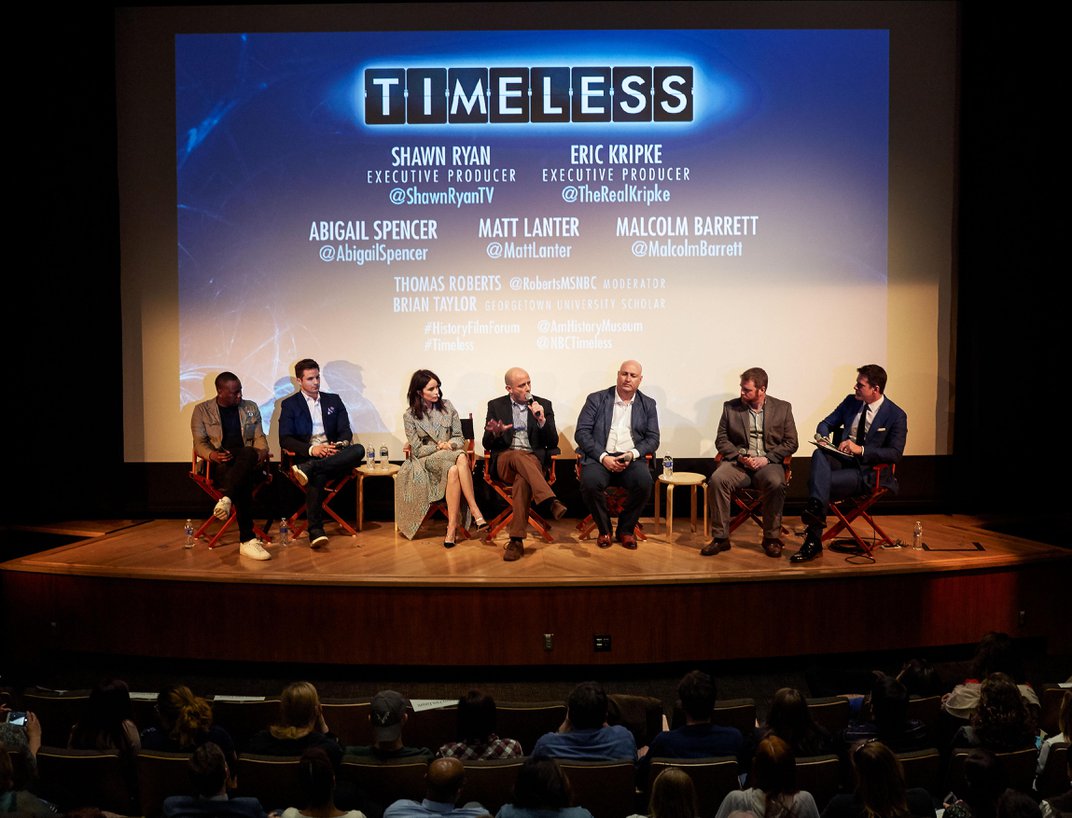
[299, 710]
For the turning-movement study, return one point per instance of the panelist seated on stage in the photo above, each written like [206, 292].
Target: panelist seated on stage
[520, 436]
[617, 428]
[872, 430]
[228, 432]
[314, 426]
[437, 466]
[755, 435]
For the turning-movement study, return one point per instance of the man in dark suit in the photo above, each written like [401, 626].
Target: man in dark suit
[521, 437]
[872, 429]
[314, 426]
[756, 433]
[616, 429]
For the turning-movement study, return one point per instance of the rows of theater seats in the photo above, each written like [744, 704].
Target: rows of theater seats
[71, 778]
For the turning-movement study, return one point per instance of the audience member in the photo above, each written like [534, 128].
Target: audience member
[18, 801]
[106, 723]
[1015, 804]
[445, 777]
[316, 778]
[1060, 804]
[885, 717]
[388, 714]
[880, 790]
[1063, 734]
[996, 653]
[774, 792]
[984, 782]
[301, 726]
[1000, 722]
[477, 740]
[673, 795]
[542, 791]
[698, 738]
[790, 720]
[210, 774]
[23, 740]
[585, 734]
[185, 723]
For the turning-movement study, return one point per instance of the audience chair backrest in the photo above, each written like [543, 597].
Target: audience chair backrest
[272, 780]
[928, 709]
[739, 713]
[641, 715]
[85, 778]
[430, 728]
[604, 788]
[378, 784]
[525, 723]
[242, 719]
[491, 783]
[57, 712]
[348, 719]
[830, 713]
[712, 777]
[161, 775]
[922, 768]
[821, 776]
[1019, 766]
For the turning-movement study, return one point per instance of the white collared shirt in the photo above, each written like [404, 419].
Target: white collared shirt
[319, 435]
[871, 409]
[620, 437]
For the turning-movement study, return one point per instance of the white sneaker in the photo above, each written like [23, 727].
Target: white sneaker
[223, 508]
[299, 475]
[254, 550]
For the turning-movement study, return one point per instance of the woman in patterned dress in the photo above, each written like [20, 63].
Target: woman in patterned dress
[436, 464]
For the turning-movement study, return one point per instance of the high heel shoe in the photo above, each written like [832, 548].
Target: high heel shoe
[448, 543]
[481, 524]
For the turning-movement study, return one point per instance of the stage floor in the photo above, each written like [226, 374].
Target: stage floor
[380, 556]
[662, 602]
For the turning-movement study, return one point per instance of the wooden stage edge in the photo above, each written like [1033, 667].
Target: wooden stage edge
[380, 599]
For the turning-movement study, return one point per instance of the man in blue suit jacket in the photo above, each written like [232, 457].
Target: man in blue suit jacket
[315, 427]
[617, 428]
[871, 429]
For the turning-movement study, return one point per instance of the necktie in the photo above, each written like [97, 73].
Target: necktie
[859, 439]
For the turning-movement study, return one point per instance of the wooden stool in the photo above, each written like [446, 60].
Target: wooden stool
[361, 472]
[681, 478]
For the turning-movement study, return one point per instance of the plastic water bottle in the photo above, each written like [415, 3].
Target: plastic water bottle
[668, 466]
[370, 453]
[188, 534]
[384, 462]
[284, 531]
[917, 536]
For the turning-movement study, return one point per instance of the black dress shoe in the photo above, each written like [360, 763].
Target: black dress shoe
[813, 513]
[716, 546]
[812, 547]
